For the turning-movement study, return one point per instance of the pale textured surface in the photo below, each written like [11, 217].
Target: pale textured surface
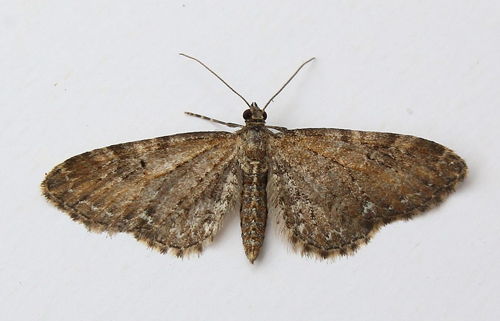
[330, 189]
[428, 68]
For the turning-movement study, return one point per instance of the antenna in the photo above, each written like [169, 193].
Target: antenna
[225, 83]
[276, 94]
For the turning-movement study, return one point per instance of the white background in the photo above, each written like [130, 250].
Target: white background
[79, 75]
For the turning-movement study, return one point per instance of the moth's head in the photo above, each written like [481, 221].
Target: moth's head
[254, 114]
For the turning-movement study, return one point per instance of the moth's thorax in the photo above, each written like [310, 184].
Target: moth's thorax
[255, 142]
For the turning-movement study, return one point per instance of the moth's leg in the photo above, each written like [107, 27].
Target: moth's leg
[278, 128]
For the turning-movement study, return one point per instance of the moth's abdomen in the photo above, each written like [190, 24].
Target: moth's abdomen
[253, 211]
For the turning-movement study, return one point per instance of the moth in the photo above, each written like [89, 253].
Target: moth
[330, 190]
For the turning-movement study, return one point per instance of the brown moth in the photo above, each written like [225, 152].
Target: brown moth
[330, 190]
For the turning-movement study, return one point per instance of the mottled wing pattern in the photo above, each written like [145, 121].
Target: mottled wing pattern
[169, 192]
[332, 189]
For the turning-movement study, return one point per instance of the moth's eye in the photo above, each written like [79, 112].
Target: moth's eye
[247, 114]
[264, 115]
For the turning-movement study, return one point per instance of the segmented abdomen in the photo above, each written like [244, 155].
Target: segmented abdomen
[253, 211]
